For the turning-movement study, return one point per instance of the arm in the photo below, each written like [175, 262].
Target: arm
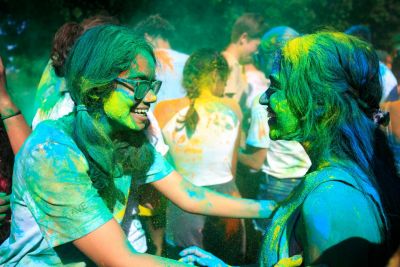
[16, 126]
[201, 200]
[255, 157]
[257, 138]
[339, 230]
[108, 246]
[71, 209]
[235, 153]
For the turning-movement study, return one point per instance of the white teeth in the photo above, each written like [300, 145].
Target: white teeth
[140, 111]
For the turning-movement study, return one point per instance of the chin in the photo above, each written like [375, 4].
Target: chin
[140, 126]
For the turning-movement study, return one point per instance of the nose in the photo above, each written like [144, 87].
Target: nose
[150, 97]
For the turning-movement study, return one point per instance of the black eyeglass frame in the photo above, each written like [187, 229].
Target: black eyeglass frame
[140, 88]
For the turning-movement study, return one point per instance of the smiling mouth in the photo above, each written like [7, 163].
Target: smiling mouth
[270, 113]
[140, 111]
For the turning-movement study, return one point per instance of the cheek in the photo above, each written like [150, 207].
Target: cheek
[254, 46]
[117, 105]
[281, 107]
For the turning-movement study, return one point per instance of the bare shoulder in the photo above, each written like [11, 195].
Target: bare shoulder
[165, 110]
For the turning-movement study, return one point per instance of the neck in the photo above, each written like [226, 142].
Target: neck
[234, 50]
[160, 43]
[206, 94]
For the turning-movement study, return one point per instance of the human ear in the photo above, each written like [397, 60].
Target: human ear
[148, 37]
[243, 38]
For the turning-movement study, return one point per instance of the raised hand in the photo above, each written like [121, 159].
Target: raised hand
[4, 206]
[6, 105]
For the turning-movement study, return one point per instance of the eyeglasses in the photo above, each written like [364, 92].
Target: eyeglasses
[140, 88]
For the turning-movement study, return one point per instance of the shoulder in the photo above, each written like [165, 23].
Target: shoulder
[336, 215]
[50, 156]
[50, 141]
[165, 110]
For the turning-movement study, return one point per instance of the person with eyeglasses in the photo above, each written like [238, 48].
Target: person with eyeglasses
[54, 101]
[73, 175]
[13, 132]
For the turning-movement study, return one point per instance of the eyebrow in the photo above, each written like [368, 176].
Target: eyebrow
[140, 76]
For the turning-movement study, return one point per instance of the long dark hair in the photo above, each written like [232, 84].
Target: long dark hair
[332, 84]
[96, 59]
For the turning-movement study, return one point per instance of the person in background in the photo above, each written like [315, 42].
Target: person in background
[13, 132]
[392, 130]
[283, 163]
[202, 131]
[159, 32]
[245, 38]
[325, 93]
[389, 81]
[52, 99]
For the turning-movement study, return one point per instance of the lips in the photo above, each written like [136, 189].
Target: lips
[270, 113]
[140, 111]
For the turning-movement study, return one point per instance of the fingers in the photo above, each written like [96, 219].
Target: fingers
[2, 69]
[196, 255]
[2, 217]
[194, 251]
[4, 199]
[190, 259]
[4, 208]
[209, 262]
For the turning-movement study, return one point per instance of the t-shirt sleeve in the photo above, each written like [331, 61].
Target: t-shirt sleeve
[60, 193]
[158, 170]
[258, 134]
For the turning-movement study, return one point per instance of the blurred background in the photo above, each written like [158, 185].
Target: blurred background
[27, 27]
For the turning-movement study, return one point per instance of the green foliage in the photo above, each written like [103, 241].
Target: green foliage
[199, 23]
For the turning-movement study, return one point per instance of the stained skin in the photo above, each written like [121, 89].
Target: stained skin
[119, 106]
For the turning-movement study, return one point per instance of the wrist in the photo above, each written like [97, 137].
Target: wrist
[267, 208]
[7, 107]
[8, 112]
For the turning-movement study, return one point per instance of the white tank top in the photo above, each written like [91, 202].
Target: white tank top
[205, 158]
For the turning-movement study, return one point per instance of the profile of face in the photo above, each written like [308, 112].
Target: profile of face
[283, 124]
[248, 47]
[125, 105]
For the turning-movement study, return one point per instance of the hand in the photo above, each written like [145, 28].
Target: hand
[195, 255]
[6, 104]
[2, 73]
[4, 206]
[2, 69]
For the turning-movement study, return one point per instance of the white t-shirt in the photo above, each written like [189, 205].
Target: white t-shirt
[205, 158]
[257, 85]
[389, 81]
[169, 70]
[285, 159]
